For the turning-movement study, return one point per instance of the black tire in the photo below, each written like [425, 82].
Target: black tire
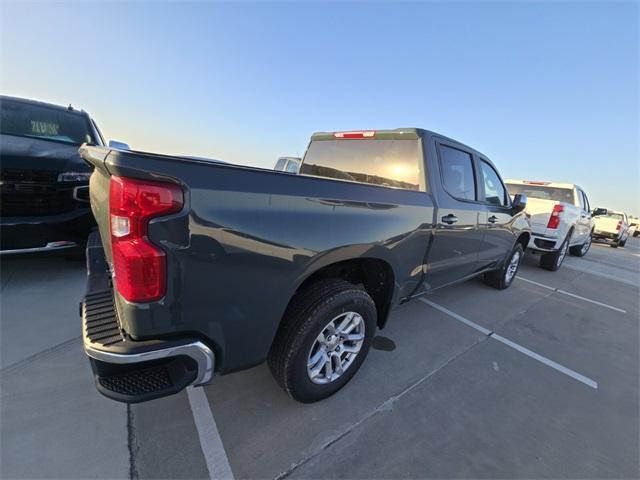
[553, 261]
[622, 243]
[581, 250]
[503, 278]
[635, 234]
[614, 245]
[306, 317]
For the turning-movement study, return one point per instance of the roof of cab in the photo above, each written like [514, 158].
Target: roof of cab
[542, 183]
[410, 133]
[42, 104]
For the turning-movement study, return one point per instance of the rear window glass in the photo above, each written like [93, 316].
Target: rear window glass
[36, 121]
[388, 163]
[613, 216]
[542, 192]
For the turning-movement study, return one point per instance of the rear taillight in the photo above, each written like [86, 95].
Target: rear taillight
[554, 220]
[139, 266]
[360, 134]
[619, 226]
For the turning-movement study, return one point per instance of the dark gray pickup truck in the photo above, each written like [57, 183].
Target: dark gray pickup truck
[202, 268]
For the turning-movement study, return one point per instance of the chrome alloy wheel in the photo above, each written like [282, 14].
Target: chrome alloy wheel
[335, 349]
[562, 253]
[512, 268]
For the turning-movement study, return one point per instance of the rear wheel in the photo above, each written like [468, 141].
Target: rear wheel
[552, 261]
[581, 250]
[623, 242]
[325, 336]
[503, 277]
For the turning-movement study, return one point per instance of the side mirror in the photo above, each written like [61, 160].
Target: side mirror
[519, 202]
[119, 145]
[599, 211]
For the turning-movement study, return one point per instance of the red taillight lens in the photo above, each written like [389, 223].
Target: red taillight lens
[554, 220]
[361, 134]
[619, 226]
[139, 266]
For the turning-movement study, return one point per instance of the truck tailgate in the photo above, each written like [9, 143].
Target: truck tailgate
[540, 211]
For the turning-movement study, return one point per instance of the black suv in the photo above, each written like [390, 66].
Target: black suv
[44, 183]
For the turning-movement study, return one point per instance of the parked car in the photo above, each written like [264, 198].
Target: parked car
[219, 267]
[44, 202]
[560, 219]
[633, 226]
[288, 164]
[611, 226]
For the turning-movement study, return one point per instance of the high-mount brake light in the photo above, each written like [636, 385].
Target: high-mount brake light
[139, 266]
[359, 134]
[554, 219]
[531, 182]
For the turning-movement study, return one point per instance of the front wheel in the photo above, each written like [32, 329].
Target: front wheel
[504, 277]
[581, 250]
[325, 336]
[552, 261]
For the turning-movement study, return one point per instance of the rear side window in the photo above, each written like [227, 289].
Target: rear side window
[388, 163]
[457, 173]
[494, 191]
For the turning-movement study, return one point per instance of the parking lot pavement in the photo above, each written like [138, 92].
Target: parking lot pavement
[53, 424]
[540, 380]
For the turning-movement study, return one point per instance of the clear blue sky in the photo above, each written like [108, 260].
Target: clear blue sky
[548, 90]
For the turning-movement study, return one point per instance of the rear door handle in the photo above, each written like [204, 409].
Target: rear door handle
[493, 219]
[449, 219]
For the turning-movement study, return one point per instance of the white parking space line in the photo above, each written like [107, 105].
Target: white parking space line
[544, 360]
[215, 455]
[460, 318]
[564, 292]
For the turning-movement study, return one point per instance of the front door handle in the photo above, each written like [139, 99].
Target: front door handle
[449, 219]
[493, 219]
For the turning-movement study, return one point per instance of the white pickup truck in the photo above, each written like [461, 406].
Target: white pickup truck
[612, 227]
[560, 219]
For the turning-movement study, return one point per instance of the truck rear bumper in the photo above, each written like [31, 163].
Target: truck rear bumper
[127, 370]
[40, 234]
[542, 243]
[602, 235]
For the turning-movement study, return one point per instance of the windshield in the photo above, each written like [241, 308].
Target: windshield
[542, 192]
[389, 163]
[48, 123]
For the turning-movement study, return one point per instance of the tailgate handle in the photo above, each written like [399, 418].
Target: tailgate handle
[493, 219]
[451, 218]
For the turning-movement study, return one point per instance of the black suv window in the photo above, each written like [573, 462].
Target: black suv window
[494, 191]
[457, 173]
[26, 119]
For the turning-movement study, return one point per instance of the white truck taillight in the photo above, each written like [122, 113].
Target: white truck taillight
[619, 226]
[139, 266]
[554, 219]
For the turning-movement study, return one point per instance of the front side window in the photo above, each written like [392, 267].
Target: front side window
[457, 173]
[24, 119]
[494, 191]
[388, 163]
[587, 207]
